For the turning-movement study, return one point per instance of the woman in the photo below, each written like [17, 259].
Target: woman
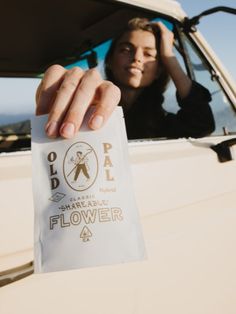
[138, 66]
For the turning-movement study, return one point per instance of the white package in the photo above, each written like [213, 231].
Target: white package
[85, 210]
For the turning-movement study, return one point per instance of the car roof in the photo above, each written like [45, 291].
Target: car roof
[39, 33]
[168, 7]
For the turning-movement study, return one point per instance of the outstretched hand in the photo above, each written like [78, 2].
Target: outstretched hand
[66, 95]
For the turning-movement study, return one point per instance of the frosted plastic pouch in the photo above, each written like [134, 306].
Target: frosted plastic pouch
[85, 210]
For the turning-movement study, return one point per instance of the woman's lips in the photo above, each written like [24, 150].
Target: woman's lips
[134, 70]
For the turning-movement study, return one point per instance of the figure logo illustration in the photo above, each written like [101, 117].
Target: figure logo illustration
[80, 166]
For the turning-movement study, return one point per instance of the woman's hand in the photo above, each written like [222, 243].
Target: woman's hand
[167, 41]
[182, 82]
[66, 95]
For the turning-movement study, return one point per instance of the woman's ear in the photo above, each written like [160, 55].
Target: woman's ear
[108, 62]
[108, 68]
[108, 65]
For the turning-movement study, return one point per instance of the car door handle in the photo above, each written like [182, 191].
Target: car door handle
[223, 150]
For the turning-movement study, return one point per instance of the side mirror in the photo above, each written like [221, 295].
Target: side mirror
[189, 24]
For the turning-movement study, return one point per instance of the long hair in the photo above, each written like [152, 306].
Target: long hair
[159, 84]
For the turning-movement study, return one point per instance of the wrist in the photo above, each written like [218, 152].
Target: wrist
[168, 58]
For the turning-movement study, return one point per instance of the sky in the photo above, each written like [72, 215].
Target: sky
[218, 29]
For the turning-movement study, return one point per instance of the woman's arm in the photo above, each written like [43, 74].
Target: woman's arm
[182, 82]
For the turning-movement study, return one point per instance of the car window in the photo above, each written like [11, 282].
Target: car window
[17, 106]
[224, 113]
[15, 115]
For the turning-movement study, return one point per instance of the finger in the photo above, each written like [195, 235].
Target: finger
[82, 99]
[63, 100]
[167, 38]
[166, 31]
[109, 98]
[162, 26]
[47, 89]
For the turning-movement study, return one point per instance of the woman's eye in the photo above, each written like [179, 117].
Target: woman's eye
[125, 50]
[150, 55]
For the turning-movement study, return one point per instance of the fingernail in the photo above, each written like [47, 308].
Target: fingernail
[51, 129]
[96, 122]
[67, 130]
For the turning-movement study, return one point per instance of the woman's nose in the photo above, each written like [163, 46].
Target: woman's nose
[138, 55]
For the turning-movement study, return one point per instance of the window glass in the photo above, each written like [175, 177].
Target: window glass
[170, 103]
[224, 114]
[17, 104]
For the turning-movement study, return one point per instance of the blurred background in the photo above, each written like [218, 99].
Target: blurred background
[17, 96]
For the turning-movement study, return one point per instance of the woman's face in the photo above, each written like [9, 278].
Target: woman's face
[134, 62]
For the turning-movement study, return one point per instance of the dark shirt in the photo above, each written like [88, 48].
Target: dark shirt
[147, 119]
